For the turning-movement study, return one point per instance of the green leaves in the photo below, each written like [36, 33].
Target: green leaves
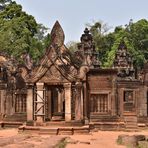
[135, 36]
[19, 31]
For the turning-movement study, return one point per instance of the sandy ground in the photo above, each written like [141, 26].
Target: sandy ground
[8, 132]
[100, 139]
[10, 138]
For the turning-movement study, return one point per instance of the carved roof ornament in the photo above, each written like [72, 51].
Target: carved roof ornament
[57, 35]
[123, 61]
[87, 44]
[87, 50]
[56, 55]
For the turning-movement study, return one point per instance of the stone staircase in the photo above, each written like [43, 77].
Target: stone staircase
[64, 123]
[57, 128]
[105, 122]
[131, 122]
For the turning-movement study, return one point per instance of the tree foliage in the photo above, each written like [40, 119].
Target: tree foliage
[99, 32]
[19, 32]
[135, 36]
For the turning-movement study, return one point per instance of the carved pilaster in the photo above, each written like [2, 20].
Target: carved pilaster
[2, 97]
[85, 96]
[67, 89]
[30, 103]
[79, 102]
[49, 104]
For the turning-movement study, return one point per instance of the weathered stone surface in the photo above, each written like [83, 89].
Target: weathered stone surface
[130, 140]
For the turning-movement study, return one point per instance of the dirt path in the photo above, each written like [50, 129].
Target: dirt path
[8, 132]
[100, 139]
[9, 138]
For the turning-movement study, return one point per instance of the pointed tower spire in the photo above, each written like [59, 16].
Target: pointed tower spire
[57, 35]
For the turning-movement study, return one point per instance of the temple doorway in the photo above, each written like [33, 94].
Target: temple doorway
[55, 106]
[129, 102]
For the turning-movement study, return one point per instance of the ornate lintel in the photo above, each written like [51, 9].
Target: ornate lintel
[40, 86]
[67, 85]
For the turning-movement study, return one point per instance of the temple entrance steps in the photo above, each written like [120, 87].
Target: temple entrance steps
[57, 128]
[106, 122]
[131, 122]
[54, 130]
[64, 123]
[16, 117]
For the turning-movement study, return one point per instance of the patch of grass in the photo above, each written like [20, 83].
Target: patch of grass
[119, 141]
[143, 144]
[62, 143]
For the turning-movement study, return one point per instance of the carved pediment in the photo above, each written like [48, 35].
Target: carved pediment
[52, 75]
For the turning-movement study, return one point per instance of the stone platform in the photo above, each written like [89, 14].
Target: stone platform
[8, 124]
[108, 126]
[53, 130]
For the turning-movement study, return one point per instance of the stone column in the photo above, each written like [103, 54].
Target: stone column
[121, 102]
[85, 103]
[29, 102]
[2, 97]
[113, 97]
[79, 102]
[59, 101]
[67, 89]
[49, 103]
[40, 103]
[8, 103]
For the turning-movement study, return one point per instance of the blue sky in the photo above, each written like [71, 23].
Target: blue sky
[74, 14]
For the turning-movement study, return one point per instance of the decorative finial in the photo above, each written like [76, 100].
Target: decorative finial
[57, 35]
[86, 31]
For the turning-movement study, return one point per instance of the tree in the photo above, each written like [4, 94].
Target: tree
[102, 39]
[19, 32]
[72, 46]
[3, 3]
[135, 36]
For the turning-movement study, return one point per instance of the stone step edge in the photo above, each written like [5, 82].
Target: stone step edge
[7, 123]
[57, 130]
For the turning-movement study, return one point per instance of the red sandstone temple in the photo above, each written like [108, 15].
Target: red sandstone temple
[73, 88]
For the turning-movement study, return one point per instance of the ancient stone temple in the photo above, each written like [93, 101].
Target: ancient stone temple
[72, 87]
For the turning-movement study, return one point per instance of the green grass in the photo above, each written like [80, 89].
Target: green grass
[62, 143]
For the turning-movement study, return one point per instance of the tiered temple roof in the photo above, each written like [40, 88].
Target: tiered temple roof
[123, 62]
[87, 49]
